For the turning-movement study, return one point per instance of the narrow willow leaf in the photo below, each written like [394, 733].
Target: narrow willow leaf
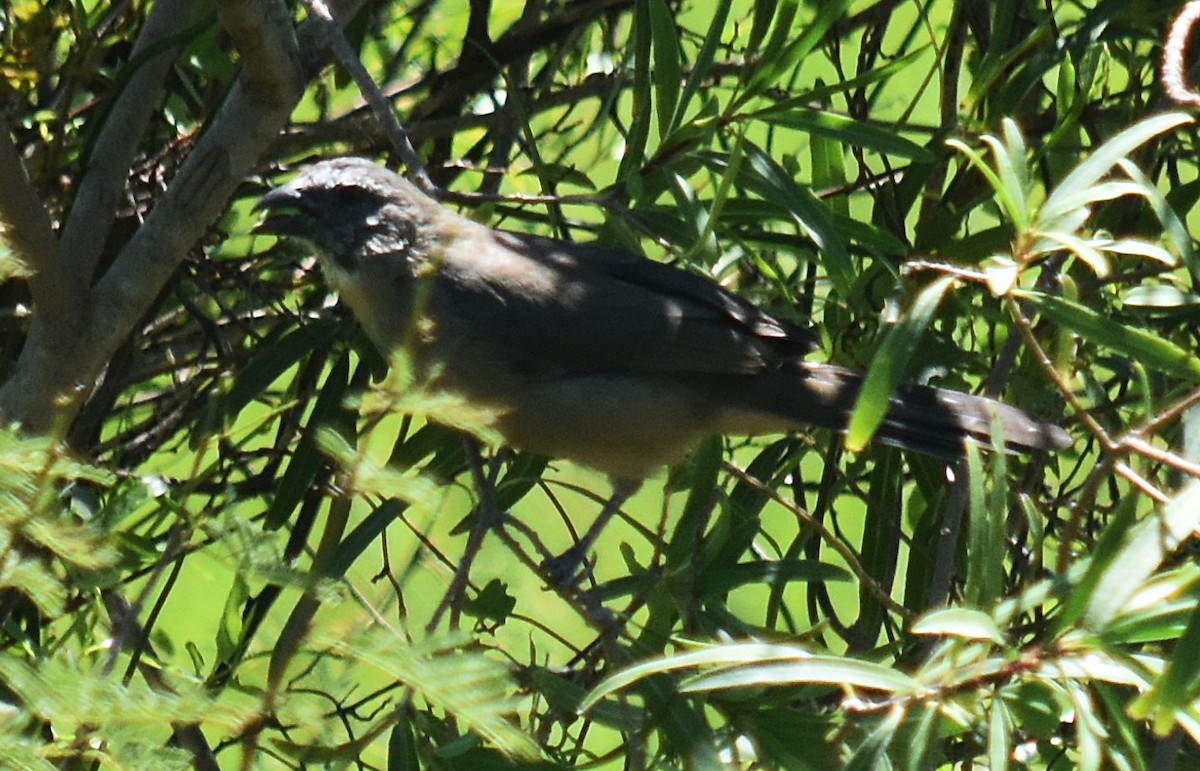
[272, 359]
[873, 753]
[1102, 160]
[1012, 209]
[1082, 248]
[884, 141]
[1018, 154]
[786, 48]
[1177, 686]
[731, 654]
[1137, 248]
[1175, 232]
[1065, 204]
[703, 61]
[639, 127]
[1089, 729]
[765, 12]
[829, 670]
[761, 174]
[1151, 350]
[890, 365]
[1150, 542]
[668, 71]
[999, 735]
[820, 94]
[1011, 179]
[1159, 296]
[964, 623]
[985, 535]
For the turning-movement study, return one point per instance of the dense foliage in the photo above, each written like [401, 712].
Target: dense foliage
[231, 539]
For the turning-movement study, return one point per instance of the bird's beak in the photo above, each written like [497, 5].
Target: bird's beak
[284, 216]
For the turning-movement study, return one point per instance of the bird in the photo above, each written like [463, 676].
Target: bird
[579, 351]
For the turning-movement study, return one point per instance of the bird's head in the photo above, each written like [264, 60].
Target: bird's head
[350, 210]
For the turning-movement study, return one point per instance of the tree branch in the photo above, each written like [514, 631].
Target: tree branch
[112, 156]
[256, 109]
[29, 233]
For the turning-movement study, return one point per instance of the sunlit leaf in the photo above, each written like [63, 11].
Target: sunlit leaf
[1083, 249]
[1074, 187]
[828, 670]
[965, 623]
[1159, 296]
[1012, 208]
[464, 682]
[1146, 546]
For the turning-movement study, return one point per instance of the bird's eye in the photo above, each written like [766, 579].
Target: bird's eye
[358, 199]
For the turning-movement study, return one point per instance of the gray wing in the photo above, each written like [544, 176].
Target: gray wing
[577, 309]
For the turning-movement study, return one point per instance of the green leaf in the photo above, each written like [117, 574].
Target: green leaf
[963, 623]
[1151, 350]
[827, 670]
[1179, 683]
[272, 360]
[1174, 231]
[1039, 706]
[872, 754]
[1150, 542]
[761, 174]
[1013, 172]
[363, 535]
[999, 734]
[1159, 296]
[668, 71]
[857, 133]
[1135, 247]
[297, 480]
[730, 654]
[786, 49]
[721, 581]
[777, 18]
[890, 366]
[639, 128]
[449, 675]
[880, 551]
[702, 62]
[1010, 201]
[1073, 188]
[1082, 248]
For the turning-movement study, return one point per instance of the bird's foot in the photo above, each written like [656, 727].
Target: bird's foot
[568, 568]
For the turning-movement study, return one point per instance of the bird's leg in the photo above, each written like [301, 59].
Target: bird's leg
[565, 568]
[487, 517]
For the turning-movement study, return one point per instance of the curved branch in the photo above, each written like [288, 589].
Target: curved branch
[108, 165]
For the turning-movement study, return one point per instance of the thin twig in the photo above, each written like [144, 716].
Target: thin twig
[1135, 443]
[1140, 482]
[834, 542]
[374, 96]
